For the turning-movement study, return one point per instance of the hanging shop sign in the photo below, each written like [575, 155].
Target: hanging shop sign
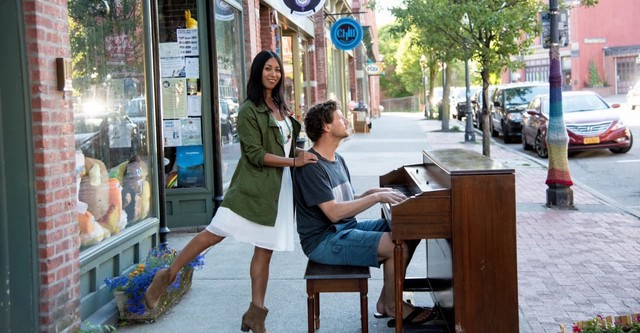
[304, 7]
[346, 33]
[374, 69]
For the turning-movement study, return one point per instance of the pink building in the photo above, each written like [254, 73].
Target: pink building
[599, 36]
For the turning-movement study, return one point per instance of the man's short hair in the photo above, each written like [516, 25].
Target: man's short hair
[319, 115]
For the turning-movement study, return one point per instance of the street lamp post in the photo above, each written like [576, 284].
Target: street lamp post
[469, 134]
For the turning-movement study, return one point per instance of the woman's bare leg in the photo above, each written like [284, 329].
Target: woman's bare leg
[200, 242]
[260, 275]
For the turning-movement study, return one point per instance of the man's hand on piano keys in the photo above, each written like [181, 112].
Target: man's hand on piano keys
[389, 195]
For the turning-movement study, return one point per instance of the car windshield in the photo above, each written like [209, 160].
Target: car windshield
[577, 103]
[523, 95]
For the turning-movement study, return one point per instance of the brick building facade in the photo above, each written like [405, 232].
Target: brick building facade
[51, 282]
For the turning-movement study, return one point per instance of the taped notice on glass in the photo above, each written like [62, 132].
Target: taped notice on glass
[188, 42]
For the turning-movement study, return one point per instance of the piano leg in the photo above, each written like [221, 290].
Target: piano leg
[398, 271]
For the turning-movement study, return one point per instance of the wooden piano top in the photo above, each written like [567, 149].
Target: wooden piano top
[462, 162]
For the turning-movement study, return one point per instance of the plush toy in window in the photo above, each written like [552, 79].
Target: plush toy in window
[113, 220]
[136, 190]
[191, 22]
[94, 187]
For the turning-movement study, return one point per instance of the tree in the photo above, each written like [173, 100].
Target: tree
[492, 32]
[391, 83]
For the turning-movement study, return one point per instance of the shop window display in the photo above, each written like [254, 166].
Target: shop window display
[181, 95]
[110, 117]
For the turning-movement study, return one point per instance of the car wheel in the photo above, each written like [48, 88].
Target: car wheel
[525, 145]
[539, 147]
[494, 133]
[505, 132]
[623, 150]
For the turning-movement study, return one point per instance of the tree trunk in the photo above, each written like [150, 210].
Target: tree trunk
[486, 119]
[445, 98]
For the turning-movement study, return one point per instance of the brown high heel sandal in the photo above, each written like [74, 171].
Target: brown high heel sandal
[253, 319]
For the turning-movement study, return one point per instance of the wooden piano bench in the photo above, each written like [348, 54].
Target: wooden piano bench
[332, 279]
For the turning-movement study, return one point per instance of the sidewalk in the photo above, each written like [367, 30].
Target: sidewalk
[572, 264]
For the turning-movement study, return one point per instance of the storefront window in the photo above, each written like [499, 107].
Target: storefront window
[181, 94]
[110, 117]
[230, 82]
[287, 61]
[305, 98]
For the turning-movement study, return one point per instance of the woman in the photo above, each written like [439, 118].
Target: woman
[250, 211]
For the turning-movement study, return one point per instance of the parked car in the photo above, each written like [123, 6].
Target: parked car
[461, 101]
[591, 124]
[228, 120]
[476, 106]
[633, 96]
[509, 102]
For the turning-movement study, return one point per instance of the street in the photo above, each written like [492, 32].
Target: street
[615, 177]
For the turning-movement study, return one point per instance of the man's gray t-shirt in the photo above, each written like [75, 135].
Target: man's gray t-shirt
[314, 184]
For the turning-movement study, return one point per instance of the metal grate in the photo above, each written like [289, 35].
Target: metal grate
[589, 129]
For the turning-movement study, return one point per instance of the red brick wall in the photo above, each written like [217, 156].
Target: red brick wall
[320, 56]
[267, 32]
[251, 25]
[47, 38]
[354, 83]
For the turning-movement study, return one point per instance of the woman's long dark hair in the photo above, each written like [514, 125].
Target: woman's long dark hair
[255, 89]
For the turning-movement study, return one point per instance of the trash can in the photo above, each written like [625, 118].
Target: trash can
[361, 115]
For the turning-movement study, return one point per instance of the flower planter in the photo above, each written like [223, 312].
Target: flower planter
[167, 300]
[628, 323]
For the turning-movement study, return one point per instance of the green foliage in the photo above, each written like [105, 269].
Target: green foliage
[88, 327]
[594, 77]
[391, 83]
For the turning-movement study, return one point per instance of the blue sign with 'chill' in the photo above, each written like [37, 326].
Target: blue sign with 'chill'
[346, 33]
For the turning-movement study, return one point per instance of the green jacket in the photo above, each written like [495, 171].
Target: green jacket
[255, 188]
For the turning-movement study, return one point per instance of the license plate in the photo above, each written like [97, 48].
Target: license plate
[591, 141]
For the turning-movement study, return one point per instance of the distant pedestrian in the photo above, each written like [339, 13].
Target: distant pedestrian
[258, 207]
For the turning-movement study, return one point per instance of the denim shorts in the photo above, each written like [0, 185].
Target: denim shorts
[353, 246]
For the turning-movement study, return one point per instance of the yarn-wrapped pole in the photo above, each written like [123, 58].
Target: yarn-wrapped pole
[559, 193]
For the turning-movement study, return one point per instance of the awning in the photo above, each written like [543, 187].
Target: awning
[622, 51]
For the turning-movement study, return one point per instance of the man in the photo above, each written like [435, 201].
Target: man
[326, 207]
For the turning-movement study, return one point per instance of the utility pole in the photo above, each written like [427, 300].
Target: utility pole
[559, 192]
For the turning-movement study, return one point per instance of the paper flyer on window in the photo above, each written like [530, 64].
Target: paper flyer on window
[192, 67]
[188, 41]
[194, 108]
[120, 135]
[174, 98]
[190, 131]
[172, 67]
[171, 132]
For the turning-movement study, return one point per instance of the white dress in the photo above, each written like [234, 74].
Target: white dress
[227, 223]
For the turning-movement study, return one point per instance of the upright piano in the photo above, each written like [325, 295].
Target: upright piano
[463, 204]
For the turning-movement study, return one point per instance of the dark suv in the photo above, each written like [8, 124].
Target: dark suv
[509, 101]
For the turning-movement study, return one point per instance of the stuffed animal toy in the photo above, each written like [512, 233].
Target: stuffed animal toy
[91, 232]
[136, 190]
[191, 23]
[94, 188]
[111, 220]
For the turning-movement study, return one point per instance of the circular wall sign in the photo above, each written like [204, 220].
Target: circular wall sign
[304, 7]
[346, 33]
